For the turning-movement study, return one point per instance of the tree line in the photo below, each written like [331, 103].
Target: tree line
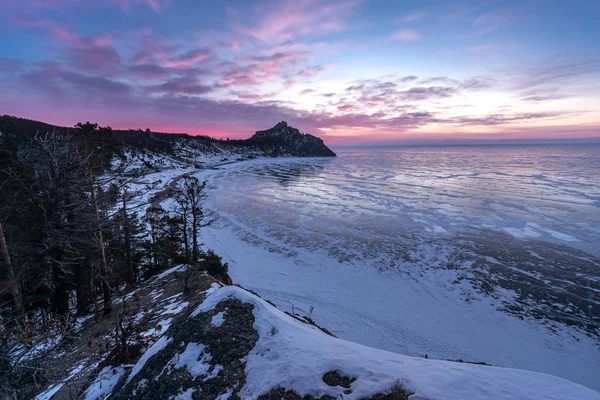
[71, 235]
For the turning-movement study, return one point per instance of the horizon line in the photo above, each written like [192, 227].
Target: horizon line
[475, 142]
[433, 141]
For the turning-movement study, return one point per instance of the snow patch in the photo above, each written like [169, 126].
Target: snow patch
[196, 359]
[187, 395]
[48, 393]
[218, 319]
[156, 347]
[179, 268]
[226, 395]
[175, 308]
[104, 383]
[213, 286]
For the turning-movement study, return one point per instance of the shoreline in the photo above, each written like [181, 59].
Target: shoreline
[422, 319]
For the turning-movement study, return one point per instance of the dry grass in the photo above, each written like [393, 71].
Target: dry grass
[397, 392]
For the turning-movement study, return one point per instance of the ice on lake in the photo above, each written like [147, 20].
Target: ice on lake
[489, 253]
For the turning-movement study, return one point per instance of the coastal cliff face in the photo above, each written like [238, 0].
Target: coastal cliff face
[283, 139]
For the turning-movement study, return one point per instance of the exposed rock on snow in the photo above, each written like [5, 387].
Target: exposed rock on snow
[255, 351]
[195, 356]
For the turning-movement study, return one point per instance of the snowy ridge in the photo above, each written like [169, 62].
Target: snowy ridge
[292, 355]
[298, 355]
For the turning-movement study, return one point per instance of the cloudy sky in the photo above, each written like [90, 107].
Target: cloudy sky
[350, 71]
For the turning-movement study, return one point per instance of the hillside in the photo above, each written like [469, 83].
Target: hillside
[281, 140]
[222, 342]
[81, 223]
[236, 345]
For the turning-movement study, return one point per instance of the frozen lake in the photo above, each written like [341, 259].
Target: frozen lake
[486, 253]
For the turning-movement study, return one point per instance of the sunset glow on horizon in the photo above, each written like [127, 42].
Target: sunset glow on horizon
[349, 71]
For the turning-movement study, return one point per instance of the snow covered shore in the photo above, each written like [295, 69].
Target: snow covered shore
[390, 311]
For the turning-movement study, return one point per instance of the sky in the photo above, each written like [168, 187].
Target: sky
[349, 71]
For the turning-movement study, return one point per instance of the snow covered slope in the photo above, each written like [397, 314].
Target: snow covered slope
[235, 343]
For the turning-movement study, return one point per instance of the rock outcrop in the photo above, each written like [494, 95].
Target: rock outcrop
[200, 357]
[282, 139]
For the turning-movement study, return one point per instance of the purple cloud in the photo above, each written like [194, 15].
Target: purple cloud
[181, 86]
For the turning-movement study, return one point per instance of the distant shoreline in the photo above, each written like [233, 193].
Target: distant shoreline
[477, 143]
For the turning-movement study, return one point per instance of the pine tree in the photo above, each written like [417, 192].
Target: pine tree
[59, 162]
[190, 198]
[164, 243]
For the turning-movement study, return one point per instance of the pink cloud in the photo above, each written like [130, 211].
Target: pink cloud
[287, 19]
[151, 50]
[282, 67]
[53, 27]
[312, 71]
[189, 59]
[247, 76]
[406, 35]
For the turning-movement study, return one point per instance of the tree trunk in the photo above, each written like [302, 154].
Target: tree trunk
[129, 273]
[84, 288]
[154, 245]
[186, 242]
[10, 274]
[60, 297]
[107, 300]
[194, 236]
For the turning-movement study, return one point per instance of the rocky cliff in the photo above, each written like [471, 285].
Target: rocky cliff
[282, 139]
